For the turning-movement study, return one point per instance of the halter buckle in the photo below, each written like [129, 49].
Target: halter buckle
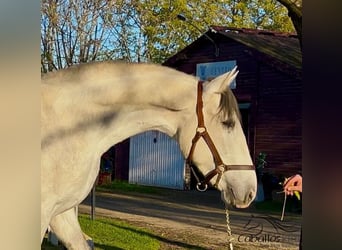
[201, 130]
[221, 168]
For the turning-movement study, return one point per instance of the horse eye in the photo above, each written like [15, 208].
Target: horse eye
[228, 123]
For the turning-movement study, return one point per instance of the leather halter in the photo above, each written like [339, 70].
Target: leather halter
[201, 131]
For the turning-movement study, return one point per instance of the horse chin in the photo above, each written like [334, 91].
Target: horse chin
[228, 198]
[241, 205]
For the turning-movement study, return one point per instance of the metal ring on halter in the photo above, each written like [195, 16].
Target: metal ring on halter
[201, 130]
[221, 168]
[201, 184]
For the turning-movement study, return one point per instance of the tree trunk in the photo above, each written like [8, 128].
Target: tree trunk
[295, 13]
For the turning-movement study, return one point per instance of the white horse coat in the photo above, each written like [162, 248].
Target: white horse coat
[88, 108]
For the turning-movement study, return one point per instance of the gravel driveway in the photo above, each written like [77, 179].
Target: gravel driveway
[196, 220]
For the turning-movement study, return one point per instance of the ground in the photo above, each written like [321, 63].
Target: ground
[196, 220]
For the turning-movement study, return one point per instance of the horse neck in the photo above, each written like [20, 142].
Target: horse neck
[122, 108]
[106, 106]
[148, 108]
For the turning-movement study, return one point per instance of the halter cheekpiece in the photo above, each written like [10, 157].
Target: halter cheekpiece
[201, 131]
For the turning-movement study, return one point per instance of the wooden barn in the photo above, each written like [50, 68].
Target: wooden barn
[268, 87]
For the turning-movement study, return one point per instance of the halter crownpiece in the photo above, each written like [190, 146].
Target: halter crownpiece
[201, 131]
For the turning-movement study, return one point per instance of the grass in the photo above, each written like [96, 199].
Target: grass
[271, 206]
[124, 186]
[113, 234]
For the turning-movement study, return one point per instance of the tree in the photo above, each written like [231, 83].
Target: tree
[77, 31]
[294, 8]
[165, 35]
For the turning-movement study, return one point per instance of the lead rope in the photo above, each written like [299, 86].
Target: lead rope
[283, 211]
[229, 231]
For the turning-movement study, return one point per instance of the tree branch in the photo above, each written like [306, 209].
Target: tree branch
[295, 13]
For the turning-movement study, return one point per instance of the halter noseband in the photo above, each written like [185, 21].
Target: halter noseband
[201, 131]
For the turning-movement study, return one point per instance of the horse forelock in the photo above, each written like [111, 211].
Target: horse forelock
[228, 107]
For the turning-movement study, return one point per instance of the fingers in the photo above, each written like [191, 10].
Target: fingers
[294, 183]
[293, 179]
[289, 193]
[293, 188]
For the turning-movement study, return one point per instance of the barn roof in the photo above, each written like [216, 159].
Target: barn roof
[282, 46]
[279, 49]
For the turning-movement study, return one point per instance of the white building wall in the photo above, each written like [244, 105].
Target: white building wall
[156, 160]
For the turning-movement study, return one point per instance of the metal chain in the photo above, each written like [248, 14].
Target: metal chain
[229, 231]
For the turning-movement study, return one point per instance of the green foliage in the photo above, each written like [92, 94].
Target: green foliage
[165, 34]
[142, 30]
[269, 206]
[124, 186]
[275, 207]
[260, 165]
[113, 234]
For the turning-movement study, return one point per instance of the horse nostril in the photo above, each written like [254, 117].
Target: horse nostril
[251, 196]
[232, 191]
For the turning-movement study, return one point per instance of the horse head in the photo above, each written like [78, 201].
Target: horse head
[219, 149]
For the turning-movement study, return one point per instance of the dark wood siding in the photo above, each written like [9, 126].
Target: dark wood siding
[275, 98]
[279, 119]
[121, 166]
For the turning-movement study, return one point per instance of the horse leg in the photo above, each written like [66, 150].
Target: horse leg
[68, 230]
[45, 217]
[43, 227]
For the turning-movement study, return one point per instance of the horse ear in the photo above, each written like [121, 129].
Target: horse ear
[220, 83]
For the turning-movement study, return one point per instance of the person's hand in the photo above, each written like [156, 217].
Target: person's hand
[292, 184]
